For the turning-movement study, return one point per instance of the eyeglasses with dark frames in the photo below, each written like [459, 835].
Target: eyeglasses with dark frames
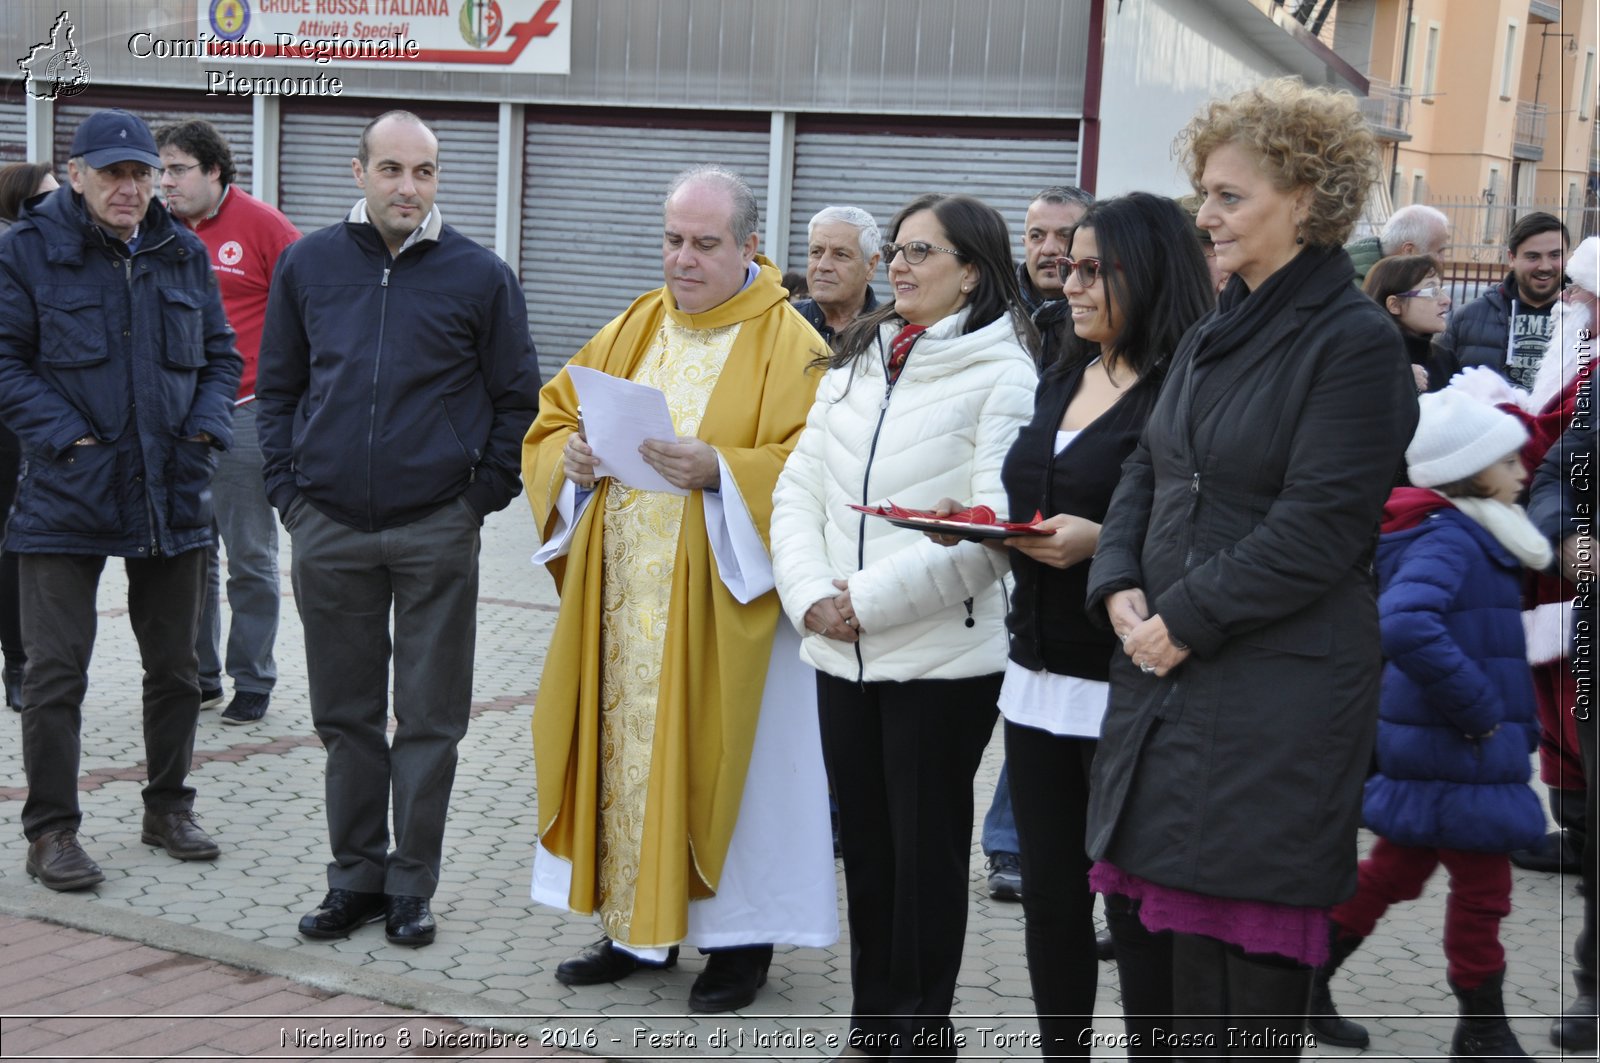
[916, 251]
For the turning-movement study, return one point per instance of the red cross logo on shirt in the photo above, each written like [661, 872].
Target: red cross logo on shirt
[230, 253]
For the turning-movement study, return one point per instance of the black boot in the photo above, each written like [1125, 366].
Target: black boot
[1144, 974]
[1268, 998]
[12, 676]
[1325, 1021]
[1482, 1032]
[1574, 1031]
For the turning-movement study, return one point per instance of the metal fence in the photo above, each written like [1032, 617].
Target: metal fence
[1479, 226]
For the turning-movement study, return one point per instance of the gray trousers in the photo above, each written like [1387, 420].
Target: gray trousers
[345, 583]
[248, 527]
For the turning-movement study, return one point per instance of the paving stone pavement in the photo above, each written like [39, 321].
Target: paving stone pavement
[260, 795]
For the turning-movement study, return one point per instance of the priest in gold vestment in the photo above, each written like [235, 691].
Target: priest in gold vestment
[681, 793]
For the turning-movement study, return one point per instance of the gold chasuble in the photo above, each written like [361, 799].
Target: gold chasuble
[647, 708]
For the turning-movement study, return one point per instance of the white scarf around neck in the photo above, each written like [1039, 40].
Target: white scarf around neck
[1511, 528]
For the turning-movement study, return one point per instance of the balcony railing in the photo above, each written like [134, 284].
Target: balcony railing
[1528, 140]
[1387, 109]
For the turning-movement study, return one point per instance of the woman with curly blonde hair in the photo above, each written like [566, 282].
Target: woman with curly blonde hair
[1235, 566]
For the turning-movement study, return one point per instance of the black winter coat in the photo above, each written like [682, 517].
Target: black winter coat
[1050, 628]
[391, 386]
[134, 350]
[1249, 515]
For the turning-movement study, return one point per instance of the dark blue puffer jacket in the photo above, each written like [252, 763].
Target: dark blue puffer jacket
[1456, 670]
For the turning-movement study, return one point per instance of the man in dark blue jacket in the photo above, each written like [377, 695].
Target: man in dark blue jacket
[1508, 327]
[395, 384]
[117, 372]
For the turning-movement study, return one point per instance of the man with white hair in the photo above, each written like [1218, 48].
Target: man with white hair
[841, 257]
[1413, 230]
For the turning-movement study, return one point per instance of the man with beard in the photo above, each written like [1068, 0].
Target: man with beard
[1508, 327]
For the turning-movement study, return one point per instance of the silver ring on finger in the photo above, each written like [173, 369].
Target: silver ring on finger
[1147, 668]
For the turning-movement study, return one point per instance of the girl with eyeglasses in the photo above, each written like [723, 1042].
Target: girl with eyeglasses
[921, 400]
[1411, 289]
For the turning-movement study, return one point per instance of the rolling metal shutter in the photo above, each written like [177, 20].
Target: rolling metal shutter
[591, 233]
[882, 173]
[235, 126]
[316, 188]
[14, 127]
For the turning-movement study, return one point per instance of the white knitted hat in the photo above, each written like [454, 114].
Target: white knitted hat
[1458, 437]
[1584, 264]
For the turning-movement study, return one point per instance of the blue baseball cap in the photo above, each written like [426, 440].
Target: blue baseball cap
[113, 136]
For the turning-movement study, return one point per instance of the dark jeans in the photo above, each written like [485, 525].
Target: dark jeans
[1050, 797]
[345, 584]
[902, 757]
[58, 630]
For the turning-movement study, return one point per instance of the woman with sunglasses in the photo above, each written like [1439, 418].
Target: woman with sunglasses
[921, 400]
[1410, 288]
[1235, 566]
[1135, 280]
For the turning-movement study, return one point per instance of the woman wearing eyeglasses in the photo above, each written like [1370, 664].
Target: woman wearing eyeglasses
[921, 400]
[1135, 280]
[1410, 288]
[1234, 564]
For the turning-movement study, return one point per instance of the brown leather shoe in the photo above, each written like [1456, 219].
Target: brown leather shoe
[59, 862]
[179, 834]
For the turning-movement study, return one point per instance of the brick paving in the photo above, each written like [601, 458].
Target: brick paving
[202, 959]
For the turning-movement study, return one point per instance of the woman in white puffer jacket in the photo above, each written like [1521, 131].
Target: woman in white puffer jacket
[921, 401]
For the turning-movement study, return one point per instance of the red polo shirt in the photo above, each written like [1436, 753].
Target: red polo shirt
[244, 238]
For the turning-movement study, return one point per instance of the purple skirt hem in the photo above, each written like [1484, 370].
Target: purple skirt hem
[1289, 930]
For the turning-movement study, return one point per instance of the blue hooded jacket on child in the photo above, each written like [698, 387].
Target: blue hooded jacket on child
[1455, 668]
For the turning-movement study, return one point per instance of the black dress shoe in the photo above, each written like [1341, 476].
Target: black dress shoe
[59, 862]
[409, 922]
[602, 962]
[340, 912]
[179, 834]
[731, 978]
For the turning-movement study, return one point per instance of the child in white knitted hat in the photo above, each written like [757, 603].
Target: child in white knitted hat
[1456, 716]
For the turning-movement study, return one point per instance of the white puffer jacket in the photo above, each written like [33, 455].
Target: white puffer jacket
[942, 431]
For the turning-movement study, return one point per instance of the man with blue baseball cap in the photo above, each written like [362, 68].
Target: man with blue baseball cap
[117, 373]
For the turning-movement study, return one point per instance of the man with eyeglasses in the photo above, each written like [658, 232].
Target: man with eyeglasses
[117, 373]
[244, 238]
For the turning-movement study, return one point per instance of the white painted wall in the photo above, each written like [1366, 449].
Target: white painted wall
[1163, 59]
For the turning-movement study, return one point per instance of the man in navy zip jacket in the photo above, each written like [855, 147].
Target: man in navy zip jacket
[117, 373]
[396, 381]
